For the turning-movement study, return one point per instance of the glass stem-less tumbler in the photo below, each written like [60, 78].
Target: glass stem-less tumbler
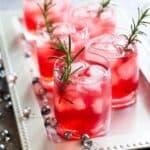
[124, 68]
[33, 17]
[46, 47]
[97, 23]
[83, 104]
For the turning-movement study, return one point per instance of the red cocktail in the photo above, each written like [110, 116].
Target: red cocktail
[78, 38]
[105, 23]
[83, 105]
[97, 24]
[124, 68]
[45, 50]
[125, 77]
[33, 16]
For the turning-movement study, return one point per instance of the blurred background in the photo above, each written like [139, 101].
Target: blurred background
[10, 4]
[129, 5]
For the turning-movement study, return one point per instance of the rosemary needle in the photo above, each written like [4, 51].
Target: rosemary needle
[103, 5]
[135, 31]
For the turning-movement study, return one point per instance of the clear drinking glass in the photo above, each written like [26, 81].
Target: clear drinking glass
[45, 48]
[33, 17]
[124, 68]
[87, 16]
[78, 38]
[83, 105]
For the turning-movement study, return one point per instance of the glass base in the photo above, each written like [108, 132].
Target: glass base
[125, 101]
[76, 136]
[100, 130]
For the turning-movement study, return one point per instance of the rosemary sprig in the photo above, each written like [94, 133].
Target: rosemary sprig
[59, 45]
[103, 5]
[68, 59]
[135, 27]
[47, 5]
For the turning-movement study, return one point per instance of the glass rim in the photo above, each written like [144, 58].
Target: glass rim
[67, 25]
[89, 8]
[106, 70]
[111, 56]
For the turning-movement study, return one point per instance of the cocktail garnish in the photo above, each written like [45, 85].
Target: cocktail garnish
[47, 5]
[58, 44]
[68, 58]
[135, 30]
[103, 5]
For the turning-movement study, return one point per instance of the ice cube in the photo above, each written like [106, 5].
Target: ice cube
[78, 66]
[63, 29]
[91, 78]
[126, 70]
[87, 87]
[96, 71]
[94, 86]
[79, 104]
[97, 105]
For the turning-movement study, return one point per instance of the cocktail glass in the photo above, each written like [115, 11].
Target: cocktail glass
[45, 65]
[45, 48]
[83, 104]
[124, 67]
[87, 16]
[33, 17]
[78, 38]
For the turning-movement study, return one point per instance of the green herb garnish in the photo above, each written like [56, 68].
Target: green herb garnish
[102, 7]
[68, 59]
[59, 45]
[135, 28]
[47, 5]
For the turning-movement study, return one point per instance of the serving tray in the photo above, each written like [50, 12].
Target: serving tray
[130, 127]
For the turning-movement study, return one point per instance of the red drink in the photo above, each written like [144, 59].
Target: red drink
[125, 77]
[105, 23]
[83, 106]
[97, 25]
[78, 38]
[33, 16]
[44, 50]
[124, 68]
[45, 65]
